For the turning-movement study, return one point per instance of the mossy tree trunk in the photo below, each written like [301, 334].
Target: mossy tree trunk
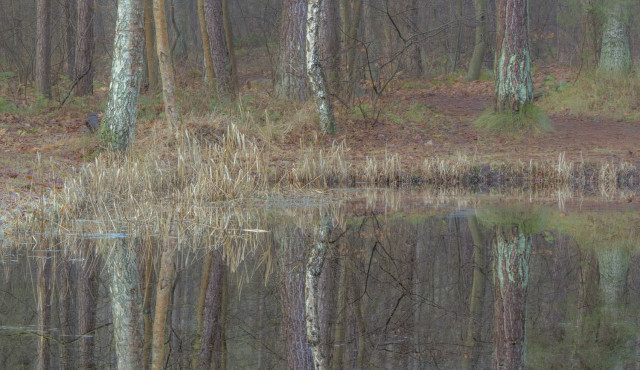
[291, 76]
[84, 49]
[43, 48]
[317, 77]
[513, 86]
[118, 123]
[222, 66]
[475, 65]
[166, 65]
[511, 251]
[615, 55]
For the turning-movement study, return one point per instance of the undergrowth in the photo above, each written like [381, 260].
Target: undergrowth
[529, 120]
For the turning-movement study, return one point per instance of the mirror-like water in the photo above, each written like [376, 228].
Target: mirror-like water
[403, 284]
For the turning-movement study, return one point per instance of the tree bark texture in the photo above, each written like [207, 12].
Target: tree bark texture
[291, 277]
[126, 301]
[350, 17]
[475, 65]
[163, 292]
[150, 45]
[43, 48]
[87, 307]
[312, 295]
[208, 62]
[291, 76]
[70, 20]
[118, 123]
[513, 86]
[44, 310]
[212, 345]
[511, 251]
[228, 35]
[415, 53]
[317, 77]
[330, 43]
[64, 280]
[84, 49]
[615, 55]
[166, 65]
[222, 66]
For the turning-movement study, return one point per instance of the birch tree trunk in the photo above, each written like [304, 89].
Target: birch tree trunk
[317, 78]
[43, 48]
[166, 65]
[513, 87]
[126, 301]
[222, 66]
[291, 76]
[475, 65]
[118, 123]
[615, 55]
[206, 47]
[84, 49]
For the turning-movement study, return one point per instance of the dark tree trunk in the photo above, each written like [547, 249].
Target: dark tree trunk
[291, 74]
[513, 87]
[43, 48]
[70, 20]
[222, 66]
[66, 315]
[475, 65]
[212, 345]
[87, 307]
[84, 49]
[44, 310]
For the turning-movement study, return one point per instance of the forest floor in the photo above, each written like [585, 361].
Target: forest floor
[419, 119]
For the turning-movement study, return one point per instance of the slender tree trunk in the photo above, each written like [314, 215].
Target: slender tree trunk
[615, 55]
[70, 21]
[356, 302]
[458, 35]
[43, 48]
[222, 66]
[118, 123]
[126, 300]
[64, 279]
[291, 75]
[317, 78]
[44, 310]
[415, 54]
[513, 87]
[511, 251]
[87, 307]
[166, 65]
[84, 49]
[204, 284]
[163, 292]
[350, 16]
[330, 43]
[475, 65]
[211, 353]
[147, 317]
[339, 333]
[228, 34]
[208, 62]
[150, 45]
[587, 328]
[473, 335]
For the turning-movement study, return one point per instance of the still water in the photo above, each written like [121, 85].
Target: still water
[409, 281]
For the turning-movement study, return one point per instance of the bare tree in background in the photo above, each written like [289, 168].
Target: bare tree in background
[206, 47]
[150, 45]
[475, 65]
[43, 48]
[219, 50]
[166, 65]
[84, 49]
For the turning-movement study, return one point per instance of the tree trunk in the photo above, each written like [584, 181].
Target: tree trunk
[511, 251]
[87, 307]
[340, 328]
[415, 54]
[228, 35]
[70, 20]
[166, 65]
[222, 66]
[458, 35]
[84, 49]
[118, 123]
[475, 65]
[204, 283]
[317, 78]
[615, 55]
[474, 328]
[43, 48]
[212, 345]
[513, 88]
[163, 292]
[44, 310]
[126, 300]
[350, 16]
[64, 279]
[208, 62]
[147, 278]
[150, 45]
[330, 43]
[291, 75]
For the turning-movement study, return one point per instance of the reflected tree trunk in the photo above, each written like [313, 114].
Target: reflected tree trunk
[356, 302]
[511, 251]
[44, 309]
[202, 295]
[126, 302]
[339, 332]
[147, 288]
[87, 307]
[163, 292]
[212, 346]
[587, 305]
[64, 279]
[476, 300]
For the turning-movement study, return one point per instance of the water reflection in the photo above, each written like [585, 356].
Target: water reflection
[383, 282]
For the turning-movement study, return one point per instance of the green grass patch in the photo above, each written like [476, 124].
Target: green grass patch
[606, 95]
[529, 120]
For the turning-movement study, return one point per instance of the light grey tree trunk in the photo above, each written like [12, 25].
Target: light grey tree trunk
[119, 121]
[126, 301]
[317, 78]
[615, 55]
[43, 48]
[475, 65]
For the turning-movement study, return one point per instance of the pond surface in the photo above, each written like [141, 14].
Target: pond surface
[409, 281]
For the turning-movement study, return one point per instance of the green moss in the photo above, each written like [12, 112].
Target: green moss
[529, 120]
